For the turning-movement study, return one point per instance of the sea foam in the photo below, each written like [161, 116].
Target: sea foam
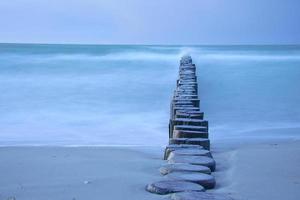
[119, 95]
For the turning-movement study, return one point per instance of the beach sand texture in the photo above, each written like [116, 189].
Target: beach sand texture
[260, 170]
[256, 171]
[50, 173]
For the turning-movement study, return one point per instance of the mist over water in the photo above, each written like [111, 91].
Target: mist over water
[120, 95]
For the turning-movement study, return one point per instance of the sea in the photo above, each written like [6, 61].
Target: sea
[119, 95]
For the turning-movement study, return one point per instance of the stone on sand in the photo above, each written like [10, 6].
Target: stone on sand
[190, 152]
[194, 160]
[173, 147]
[205, 180]
[195, 141]
[183, 167]
[171, 186]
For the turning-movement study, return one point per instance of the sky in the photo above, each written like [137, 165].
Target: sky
[150, 21]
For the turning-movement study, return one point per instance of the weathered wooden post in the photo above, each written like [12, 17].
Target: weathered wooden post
[190, 162]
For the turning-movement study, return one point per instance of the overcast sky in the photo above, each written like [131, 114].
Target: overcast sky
[151, 21]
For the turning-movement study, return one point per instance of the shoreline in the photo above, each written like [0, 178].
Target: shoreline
[77, 173]
[38, 172]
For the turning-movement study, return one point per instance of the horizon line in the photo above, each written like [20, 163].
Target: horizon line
[155, 44]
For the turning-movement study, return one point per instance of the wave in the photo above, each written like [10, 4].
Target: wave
[121, 97]
[171, 54]
[249, 57]
[128, 56]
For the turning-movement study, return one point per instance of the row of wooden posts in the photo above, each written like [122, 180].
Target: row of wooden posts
[187, 173]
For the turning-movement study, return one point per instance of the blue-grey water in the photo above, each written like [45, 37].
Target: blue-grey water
[119, 95]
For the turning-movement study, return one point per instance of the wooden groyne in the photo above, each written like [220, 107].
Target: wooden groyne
[188, 172]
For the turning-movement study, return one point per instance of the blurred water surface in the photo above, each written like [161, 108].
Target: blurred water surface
[119, 95]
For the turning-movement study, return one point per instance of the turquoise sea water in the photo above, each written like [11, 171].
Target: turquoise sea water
[119, 95]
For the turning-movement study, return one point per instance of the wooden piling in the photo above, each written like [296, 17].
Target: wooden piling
[188, 152]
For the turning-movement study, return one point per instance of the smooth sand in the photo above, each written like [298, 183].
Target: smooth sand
[107, 173]
[259, 169]
[246, 170]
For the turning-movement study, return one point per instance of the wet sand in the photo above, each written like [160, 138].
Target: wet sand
[50, 173]
[259, 169]
[246, 170]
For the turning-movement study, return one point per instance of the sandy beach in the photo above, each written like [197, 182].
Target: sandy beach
[252, 170]
[259, 169]
[50, 173]
[150, 100]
